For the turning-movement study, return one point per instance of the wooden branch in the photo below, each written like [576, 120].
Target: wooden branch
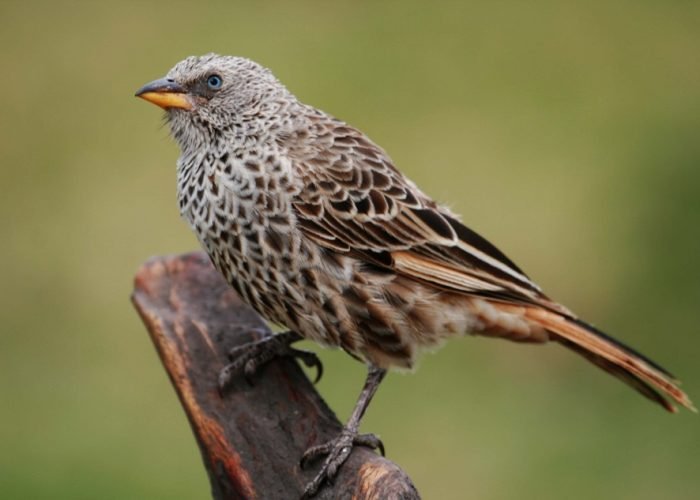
[252, 438]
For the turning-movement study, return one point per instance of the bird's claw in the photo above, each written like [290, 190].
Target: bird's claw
[248, 358]
[337, 452]
[310, 359]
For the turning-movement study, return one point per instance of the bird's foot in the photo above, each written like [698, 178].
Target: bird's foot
[246, 359]
[337, 452]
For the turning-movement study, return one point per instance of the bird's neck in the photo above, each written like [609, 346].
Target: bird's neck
[244, 174]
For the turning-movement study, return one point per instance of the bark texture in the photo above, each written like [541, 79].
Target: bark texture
[252, 437]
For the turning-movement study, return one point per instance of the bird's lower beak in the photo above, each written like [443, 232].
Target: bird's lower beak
[166, 93]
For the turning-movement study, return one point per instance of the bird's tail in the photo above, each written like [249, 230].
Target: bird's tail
[614, 357]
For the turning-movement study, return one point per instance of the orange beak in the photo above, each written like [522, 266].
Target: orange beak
[166, 93]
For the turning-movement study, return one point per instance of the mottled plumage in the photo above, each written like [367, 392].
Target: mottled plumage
[313, 225]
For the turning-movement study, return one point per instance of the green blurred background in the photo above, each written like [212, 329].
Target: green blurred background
[568, 133]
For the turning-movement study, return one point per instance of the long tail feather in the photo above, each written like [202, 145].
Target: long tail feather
[614, 357]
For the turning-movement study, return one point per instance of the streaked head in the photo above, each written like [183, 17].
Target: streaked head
[213, 91]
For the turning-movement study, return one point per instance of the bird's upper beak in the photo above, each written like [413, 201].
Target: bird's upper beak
[166, 93]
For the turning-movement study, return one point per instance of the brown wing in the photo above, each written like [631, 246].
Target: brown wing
[356, 202]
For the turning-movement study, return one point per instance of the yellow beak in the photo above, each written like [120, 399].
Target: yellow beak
[166, 93]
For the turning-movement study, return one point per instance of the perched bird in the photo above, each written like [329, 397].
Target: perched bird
[316, 229]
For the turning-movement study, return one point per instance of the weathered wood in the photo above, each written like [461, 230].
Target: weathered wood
[252, 438]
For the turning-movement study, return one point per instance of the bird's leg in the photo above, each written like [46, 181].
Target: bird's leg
[338, 450]
[248, 358]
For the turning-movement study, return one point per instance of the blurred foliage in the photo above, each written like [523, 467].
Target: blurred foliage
[566, 132]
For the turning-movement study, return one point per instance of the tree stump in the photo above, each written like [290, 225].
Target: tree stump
[252, 437]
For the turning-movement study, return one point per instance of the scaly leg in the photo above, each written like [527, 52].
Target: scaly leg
[338, 450]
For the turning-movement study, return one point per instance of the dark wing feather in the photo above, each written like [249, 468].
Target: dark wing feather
[356, 202]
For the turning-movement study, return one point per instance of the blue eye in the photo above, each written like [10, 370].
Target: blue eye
[214, 82]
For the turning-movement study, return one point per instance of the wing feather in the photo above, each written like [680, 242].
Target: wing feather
[355, 202]
[358, 202]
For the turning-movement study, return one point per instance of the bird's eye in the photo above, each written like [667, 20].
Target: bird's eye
[214, 82]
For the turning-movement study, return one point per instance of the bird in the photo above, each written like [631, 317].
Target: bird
[314, 226]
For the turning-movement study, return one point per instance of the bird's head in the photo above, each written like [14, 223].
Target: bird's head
[213, 92]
